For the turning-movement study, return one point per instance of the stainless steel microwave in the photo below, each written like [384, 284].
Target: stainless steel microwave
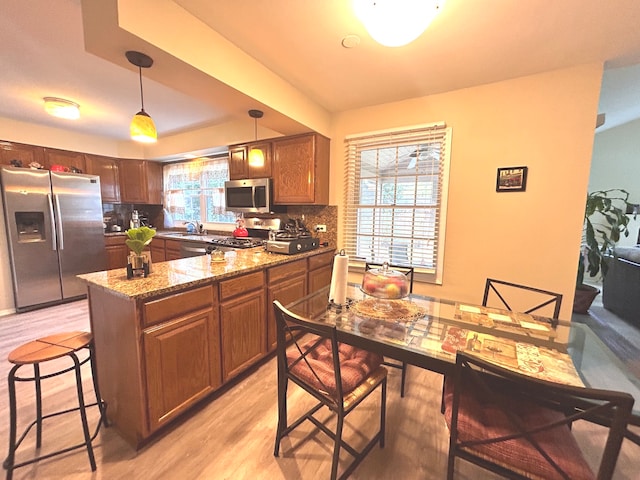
[251, 195]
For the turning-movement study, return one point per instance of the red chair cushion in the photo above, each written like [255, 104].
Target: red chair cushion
[479, 419]
[355, 366]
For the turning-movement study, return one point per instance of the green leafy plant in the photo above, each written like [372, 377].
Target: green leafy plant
[139, 238]
[605, 220]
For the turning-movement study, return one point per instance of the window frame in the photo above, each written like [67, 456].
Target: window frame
[397, 138]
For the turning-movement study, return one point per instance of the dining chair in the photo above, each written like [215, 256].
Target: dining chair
[534, 300]
[520, 426]
[338, 375]
[408, 271]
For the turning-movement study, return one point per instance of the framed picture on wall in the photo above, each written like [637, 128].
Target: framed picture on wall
[511, 179]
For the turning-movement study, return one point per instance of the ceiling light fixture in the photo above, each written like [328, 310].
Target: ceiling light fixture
[394, 23]
[256, 156]
[59, 107]
[142, 127]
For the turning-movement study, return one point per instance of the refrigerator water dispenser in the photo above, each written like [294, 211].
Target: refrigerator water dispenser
[30, 226]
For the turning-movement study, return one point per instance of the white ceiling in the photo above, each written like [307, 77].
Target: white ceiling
[471, 42]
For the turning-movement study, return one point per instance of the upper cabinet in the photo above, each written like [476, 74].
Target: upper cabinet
[107, 169]
[239, 167]
[25, 154]
[140, 181]
[65, 158]
[300, 167]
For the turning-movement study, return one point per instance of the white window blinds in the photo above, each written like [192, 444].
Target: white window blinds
[396, 192]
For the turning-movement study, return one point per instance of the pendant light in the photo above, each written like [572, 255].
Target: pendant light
[394, 23]
[256, 156]
[142, 127]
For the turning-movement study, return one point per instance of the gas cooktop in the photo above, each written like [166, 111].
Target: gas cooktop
[232, 242]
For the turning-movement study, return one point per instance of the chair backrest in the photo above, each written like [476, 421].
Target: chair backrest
[548, 406]
[407, 270]
[307, 338]
[535, 299]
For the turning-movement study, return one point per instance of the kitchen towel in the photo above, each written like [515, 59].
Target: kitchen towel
[339, 279]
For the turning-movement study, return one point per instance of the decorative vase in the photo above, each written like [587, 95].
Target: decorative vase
[138, 265]
[584, 297]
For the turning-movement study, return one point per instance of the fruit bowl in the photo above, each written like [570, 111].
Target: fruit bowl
[385, 283]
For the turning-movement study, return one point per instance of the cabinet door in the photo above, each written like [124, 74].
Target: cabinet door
[286, 292]
[238, 168]
[157, 247]
[117, 251]
[172, 250]
[133, 181]
[25, 154]
[180, 364]
[65, 158]
[107, 169]
[154, 183]
[243, 332]
[320, 269]
[300, 168]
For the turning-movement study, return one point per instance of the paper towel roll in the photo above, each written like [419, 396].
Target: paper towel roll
[339, 279]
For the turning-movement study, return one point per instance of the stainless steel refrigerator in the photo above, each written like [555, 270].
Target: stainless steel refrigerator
[54, 231]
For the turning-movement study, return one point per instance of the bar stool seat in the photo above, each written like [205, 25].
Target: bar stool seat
[35, 353]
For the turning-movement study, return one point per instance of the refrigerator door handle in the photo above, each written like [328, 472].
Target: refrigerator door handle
[59, 222]
[54, 247]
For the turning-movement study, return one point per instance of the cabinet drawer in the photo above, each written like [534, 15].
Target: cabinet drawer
[321, 260]
[287, 270]
[246, 283]
[114, 240]
[158, 311]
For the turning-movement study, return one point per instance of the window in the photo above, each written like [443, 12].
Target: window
[194, 190]
[396, 196]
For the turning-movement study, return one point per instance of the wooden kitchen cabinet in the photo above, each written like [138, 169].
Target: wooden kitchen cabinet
[21, 152]
[239, 167]
[158, 250]
[67, 159]
[285, 283]
[140, 182]
[320, 268]
[172, 250]
[181, 353]
[243, 326]
[300, 167]
[107, 169]
[117, 251]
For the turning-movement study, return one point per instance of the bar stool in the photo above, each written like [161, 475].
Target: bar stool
[35, 353]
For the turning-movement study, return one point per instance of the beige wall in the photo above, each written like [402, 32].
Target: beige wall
[545, 122]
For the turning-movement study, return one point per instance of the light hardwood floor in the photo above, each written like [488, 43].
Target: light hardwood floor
[231, 436]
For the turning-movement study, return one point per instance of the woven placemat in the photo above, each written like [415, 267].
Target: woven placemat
[388, 309]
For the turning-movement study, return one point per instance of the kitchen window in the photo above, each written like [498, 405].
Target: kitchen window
[396, 197]
[194, 190]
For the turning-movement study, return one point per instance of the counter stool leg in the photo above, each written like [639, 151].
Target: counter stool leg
[38, 383]
[94, 375]
[9, 461]
[83, 412]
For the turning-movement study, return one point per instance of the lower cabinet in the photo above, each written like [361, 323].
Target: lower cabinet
[172, 250]
[181, 353]
[117, 251]
[286, 283]
[320, 270]
[158, 253]
[242, 323]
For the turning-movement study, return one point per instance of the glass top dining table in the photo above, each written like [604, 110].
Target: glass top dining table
[427, 332]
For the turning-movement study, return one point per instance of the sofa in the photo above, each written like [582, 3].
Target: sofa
[621, 284]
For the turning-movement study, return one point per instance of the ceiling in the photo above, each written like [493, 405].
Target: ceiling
[44, 53]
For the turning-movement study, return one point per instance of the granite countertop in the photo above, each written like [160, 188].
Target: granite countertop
[174, 275]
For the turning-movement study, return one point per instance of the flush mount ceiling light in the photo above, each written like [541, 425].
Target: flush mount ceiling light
[142, 127]
[394, 23]
[59, 107]
[256, 156]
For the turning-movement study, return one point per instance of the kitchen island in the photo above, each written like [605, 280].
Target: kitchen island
[166, 342]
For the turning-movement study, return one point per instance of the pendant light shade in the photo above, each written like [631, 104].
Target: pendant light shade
[142, 128]
[394, 23]
[256, 156]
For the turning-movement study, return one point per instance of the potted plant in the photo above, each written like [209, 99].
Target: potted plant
[138, 239]
[605, 220]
